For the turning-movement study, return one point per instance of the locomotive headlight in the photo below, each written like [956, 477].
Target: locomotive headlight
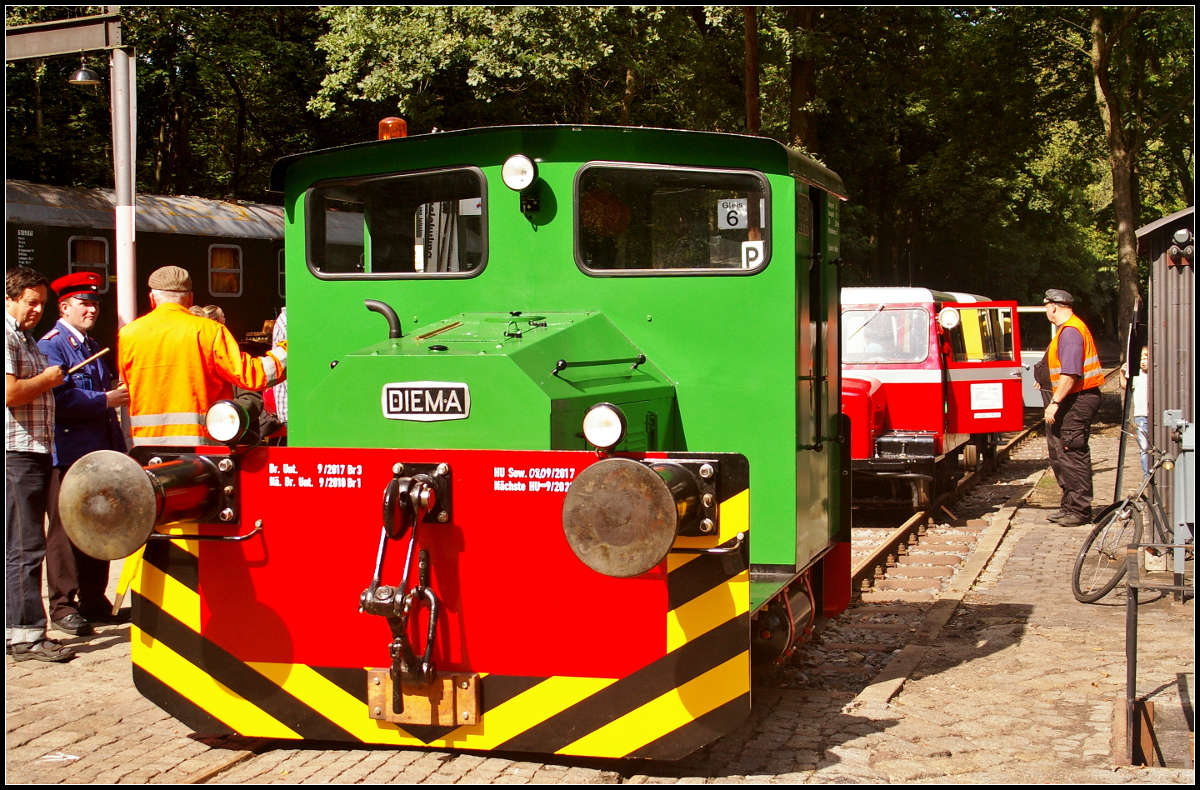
[519, 172]
[228, 421]
[604, 426]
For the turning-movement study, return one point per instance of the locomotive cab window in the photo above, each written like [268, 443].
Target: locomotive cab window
[644, 219]
[428, 224]
[885, 335]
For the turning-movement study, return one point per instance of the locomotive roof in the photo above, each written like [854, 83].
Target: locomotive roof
[799, 165]
[40, 204]
[878, 296]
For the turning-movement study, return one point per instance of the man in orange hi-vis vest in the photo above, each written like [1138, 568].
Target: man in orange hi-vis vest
[1075, 379]
[177, 365]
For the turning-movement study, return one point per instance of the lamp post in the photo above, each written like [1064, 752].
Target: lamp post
[89, 34]
[124, 109]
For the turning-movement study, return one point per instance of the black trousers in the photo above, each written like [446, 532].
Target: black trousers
[75, 582]
[1070, 452]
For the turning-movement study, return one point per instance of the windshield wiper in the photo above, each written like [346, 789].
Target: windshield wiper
[863, 325]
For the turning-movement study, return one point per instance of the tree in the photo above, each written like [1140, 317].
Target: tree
[222, 93]
[419, 59]
[1140, 64]
[55, 132]
[969, 138]
[221, 96]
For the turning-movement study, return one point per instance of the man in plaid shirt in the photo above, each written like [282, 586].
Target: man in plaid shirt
[28, 443]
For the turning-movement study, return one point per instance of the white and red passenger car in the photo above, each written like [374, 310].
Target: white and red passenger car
[929, 381]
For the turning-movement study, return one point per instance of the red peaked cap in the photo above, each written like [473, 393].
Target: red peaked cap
[82, 285]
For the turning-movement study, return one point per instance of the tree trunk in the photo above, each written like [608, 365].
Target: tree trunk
[160, 154]
[627, 101]
[802, 127]
[753, 118]
[1183, 171]
[1122, 159]
[239, 133]
[182, 147]
[171, 158]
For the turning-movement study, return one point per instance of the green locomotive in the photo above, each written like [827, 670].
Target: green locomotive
[591, 376]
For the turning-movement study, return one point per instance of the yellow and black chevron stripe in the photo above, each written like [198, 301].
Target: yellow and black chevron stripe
[695, 693]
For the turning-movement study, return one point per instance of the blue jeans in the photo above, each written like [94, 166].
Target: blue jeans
[1143, 433]
[27, 479]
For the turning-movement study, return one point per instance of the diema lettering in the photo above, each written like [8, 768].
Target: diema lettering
[426, 401]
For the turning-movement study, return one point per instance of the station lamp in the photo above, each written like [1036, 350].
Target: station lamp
[84, 76]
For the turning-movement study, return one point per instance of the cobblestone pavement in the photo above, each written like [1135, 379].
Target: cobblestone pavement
[1020, 685]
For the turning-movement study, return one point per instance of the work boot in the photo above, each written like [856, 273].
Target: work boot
[1055, 515]
[74, 624]
[1072, 520]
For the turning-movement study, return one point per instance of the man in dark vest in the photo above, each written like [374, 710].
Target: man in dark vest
[1075, 379]
[85, 420]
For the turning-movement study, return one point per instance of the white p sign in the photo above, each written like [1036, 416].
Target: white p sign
[752, 254]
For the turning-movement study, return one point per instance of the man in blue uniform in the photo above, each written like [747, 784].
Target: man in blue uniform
[85, 420]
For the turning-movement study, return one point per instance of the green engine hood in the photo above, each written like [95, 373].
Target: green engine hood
[494, 381]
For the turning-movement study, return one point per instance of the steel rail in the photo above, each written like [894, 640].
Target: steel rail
[875, 564]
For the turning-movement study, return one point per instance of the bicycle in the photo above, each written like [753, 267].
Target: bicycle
[1101, 564]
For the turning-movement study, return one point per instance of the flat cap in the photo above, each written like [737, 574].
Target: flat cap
[82, 285]
[1058, 296]
[171, 278]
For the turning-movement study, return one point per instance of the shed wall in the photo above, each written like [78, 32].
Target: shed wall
[1172, 339]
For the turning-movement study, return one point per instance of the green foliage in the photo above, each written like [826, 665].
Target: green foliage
[221, 94]
[55, 132]
[969, 138]
[477, 66]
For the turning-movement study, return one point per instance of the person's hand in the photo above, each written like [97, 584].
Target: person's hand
[117, 397]
[1051, 412]
[54, 375]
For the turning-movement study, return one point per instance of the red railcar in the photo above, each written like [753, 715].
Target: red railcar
[930, 379]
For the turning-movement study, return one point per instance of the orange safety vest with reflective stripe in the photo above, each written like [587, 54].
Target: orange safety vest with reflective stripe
[177, 365]
[1093, 375]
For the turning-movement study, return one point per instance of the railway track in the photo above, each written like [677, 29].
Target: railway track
[919, 552]
[903, 565]
[922, 547]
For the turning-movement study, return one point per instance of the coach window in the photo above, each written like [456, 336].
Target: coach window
[89, 254]
[983, 334]
[885, 335]
[225, 270]
[646, 219]
[425, 224]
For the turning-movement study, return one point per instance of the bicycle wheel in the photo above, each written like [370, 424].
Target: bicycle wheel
[1101, 561]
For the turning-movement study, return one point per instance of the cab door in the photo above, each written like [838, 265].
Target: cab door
[981, 356]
